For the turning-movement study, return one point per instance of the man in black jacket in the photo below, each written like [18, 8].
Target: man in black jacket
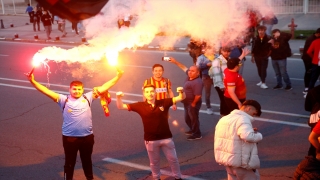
[260, 52]
[279, 52]
[307, 59]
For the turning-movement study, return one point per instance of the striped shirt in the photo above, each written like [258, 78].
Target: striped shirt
[161, 86]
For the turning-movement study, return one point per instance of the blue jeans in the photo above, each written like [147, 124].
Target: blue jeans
[191, 117]
[315, 72]
[207, 83]
[280, 68]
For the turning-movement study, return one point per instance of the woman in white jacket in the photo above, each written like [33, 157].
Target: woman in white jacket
[235, 142]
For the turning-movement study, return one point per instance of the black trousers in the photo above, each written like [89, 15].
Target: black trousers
[231, 105]
[223, 106]
[71, 147]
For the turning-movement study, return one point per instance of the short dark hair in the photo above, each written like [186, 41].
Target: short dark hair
[232, 63]
[262, 27]
[275, 30]
[76, 83]
[149, 85]
[157, 65]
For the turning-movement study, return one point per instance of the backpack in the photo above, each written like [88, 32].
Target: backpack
[275, 20]
[64, 105]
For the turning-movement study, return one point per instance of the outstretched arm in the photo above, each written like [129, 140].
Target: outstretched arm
[245, 51]
[44, 90]
[106, 86]
[181, 66]
[120, 104]
[180, 97]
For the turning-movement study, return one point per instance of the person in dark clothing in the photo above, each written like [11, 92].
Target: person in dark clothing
[280, 50]
[36, 19]
[312, 98]
[157, 134]
[195, 49]
[74, 26]
[260, 52]
[46, 20]
[307, 60]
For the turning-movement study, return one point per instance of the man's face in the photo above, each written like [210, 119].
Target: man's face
[157, 72]
[193, 72]
[209, 51]
[149, 93]
[225, 53]
[76, 91]
[261, 32]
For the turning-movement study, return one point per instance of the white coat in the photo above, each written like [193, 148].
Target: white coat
[235, 142]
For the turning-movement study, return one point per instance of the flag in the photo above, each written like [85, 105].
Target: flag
[73, 10]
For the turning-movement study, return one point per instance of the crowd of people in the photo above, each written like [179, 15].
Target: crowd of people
[40, 15]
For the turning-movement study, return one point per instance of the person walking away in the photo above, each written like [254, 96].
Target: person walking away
[157, 134]
[192, 103]
[235, 92]
[77, 134]
[29, 10]
[162, 84]
[280, 50]
[260, 52]
[46, 20]
[307, 60]
[235, 142]
[74, 26]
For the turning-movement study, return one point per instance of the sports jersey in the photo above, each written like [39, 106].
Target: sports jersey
[316, 129]
[161, 87]
[77, 117]
[155, 119]
[234, 79]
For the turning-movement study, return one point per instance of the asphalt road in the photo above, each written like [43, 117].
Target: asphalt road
[30, 123]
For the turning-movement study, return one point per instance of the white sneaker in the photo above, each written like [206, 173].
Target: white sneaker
[305, 95]
[264, 86]
[259, 84]
[209, 111]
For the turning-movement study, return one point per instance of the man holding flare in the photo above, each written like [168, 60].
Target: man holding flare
[77, 134]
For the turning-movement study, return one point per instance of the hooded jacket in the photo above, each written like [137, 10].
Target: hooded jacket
[235, 142]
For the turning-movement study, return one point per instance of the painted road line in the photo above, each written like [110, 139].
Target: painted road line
[146, 168]
[3, 55]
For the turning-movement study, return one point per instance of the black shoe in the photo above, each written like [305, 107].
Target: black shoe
[194, 137]
[288, 88]
[277, 87]
[188, 133]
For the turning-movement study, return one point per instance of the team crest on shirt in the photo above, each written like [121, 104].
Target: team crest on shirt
[83, 100]
[69, 110]
[161, 108]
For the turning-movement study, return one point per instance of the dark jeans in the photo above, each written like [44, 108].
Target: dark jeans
[280, 68]
[74, 27]
[191, 117]
[207, 83]
[315, 71]
[71, 147]
[312, 150]
[36, 24]
[308, 68]
[231, 104]
[223, 106]
[262, 65]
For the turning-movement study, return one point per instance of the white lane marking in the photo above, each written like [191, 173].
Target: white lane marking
[139, 95]
[3, 55]
[146, 168]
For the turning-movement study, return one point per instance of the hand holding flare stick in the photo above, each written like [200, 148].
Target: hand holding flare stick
[37, 59]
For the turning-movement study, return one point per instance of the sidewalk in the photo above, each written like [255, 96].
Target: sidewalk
[24, 29]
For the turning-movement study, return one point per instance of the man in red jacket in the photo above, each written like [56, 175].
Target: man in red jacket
[314, 53]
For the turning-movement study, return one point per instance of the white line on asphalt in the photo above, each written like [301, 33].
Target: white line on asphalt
[3, 55]
[146, 168]
[139, 95]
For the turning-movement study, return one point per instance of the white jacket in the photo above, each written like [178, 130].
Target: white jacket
[235, 142]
